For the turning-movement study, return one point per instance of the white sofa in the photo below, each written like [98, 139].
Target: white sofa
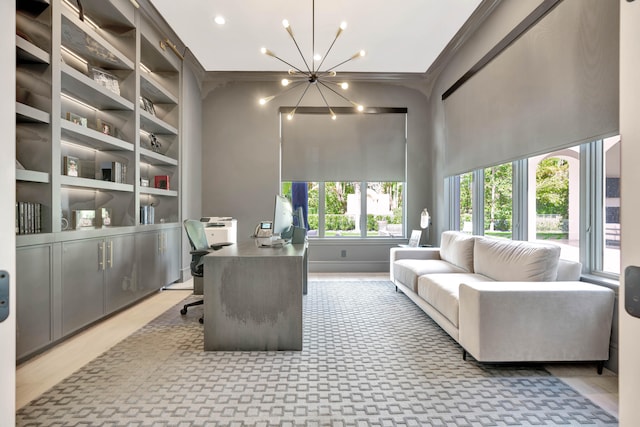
[507, 301]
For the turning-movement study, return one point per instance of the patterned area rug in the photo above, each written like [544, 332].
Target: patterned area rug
[370, 358]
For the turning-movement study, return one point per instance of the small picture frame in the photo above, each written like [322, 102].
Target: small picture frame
[105, 215]
[161, 182]
[83, 219]
[71, 166]
[414, 240]
[105, 79]
[78, 120]
[144, 182]
[105, 127]
[147, 105]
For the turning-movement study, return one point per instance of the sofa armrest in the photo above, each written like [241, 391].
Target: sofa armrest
[535, 321]
[411, 253]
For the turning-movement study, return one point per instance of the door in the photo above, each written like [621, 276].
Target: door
[83, 269]
[148, 261]
[7, 217]
[171, 255]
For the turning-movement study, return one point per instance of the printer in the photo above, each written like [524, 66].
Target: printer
[220, 229]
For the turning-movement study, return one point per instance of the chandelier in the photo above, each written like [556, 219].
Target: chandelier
[312, 75]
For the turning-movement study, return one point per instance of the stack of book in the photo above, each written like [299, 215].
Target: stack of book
[114, 172]
[146, 214]
[28, 218]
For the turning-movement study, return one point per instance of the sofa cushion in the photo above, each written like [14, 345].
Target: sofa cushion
[568, 270]
[407, 271]
[441, 291]
[457, 248]
[516, 261]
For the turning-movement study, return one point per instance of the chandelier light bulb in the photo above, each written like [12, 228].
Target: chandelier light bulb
[263, 50]
[290, 116]
[285, 23]
[333, 116]
[360, 108]
[220, 20]
[343, 25]
[344, 85]
[362, 53]
[263, 101]
[317, 57]
[285, 82]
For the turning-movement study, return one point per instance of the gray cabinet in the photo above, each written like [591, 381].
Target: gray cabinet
[33, 298]
[121, 281]
[83, 264]
[158, 258]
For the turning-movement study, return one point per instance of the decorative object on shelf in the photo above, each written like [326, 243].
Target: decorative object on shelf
[105, 79]
[161, 181]
[105, 128]
[155, 143]
[104, 215]
[312, 75]
[79, 120]
[147, 214]
[64, 224]
[19, 165]
[144, 182]
[71, 166]
[28, 218]
[84, 219]
[147, 105]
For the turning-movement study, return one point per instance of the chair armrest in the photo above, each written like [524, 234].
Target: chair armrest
[200, 252]
[535, 321]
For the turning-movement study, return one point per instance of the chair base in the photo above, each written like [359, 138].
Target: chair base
[183, 311]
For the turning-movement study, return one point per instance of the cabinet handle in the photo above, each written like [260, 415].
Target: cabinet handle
[110, 259]
[101, 255]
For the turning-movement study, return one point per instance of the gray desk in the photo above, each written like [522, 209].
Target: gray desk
[253, 297]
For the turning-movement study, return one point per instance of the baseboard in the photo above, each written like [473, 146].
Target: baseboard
[348, 266]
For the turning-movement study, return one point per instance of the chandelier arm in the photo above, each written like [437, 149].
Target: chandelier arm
[302, 96]
[337, 93]
[300, 52]
[343, 62]
[325, 101]
[290, 65]
[328, 50]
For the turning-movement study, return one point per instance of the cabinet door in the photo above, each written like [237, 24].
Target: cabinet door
[83, 263]
[33, 299]
[171, 255]
[121, 281]
[148, 261]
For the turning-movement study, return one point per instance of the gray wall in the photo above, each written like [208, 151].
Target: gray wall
[191, 148]
[241, 160]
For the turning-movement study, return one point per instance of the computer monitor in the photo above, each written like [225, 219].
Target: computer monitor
[283, 217]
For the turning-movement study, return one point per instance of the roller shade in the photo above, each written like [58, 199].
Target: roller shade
[355, 147]
[556, 86]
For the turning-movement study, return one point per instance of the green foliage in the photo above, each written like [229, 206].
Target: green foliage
[466, 182]
[552, 187]
[338, 222]
[498, 206]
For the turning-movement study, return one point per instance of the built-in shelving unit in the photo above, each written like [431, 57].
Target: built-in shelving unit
[97, 120]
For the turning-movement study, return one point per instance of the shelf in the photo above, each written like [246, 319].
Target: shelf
[94, 184]
[153, 124]
[27, 52]
[154, 158]
[152, 56]
[113, 15]
[27, 114]
[155, 92]
[92, 138]
[32, 176]
[81, 39]
[158, 192]
[85, 89]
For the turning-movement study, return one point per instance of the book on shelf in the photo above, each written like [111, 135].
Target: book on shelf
[28, 218]
[147, 214]
[114, 172]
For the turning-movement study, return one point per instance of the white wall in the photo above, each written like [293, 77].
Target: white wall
[7, 216]
[629, 374]
[241, 163]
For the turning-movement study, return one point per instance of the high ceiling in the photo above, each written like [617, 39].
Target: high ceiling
[403, 37]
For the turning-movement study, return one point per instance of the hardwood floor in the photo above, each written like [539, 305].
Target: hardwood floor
[39, 374]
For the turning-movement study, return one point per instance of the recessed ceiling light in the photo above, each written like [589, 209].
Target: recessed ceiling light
[219, 19]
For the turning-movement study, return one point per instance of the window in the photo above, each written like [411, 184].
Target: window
[498, 206]
[568, 197]
[554, 200]
[466, 202]
[338, 210]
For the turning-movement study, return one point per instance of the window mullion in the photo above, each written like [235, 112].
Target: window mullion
[520, 191]
[363, 209]
[321, 208]
[477, 202]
